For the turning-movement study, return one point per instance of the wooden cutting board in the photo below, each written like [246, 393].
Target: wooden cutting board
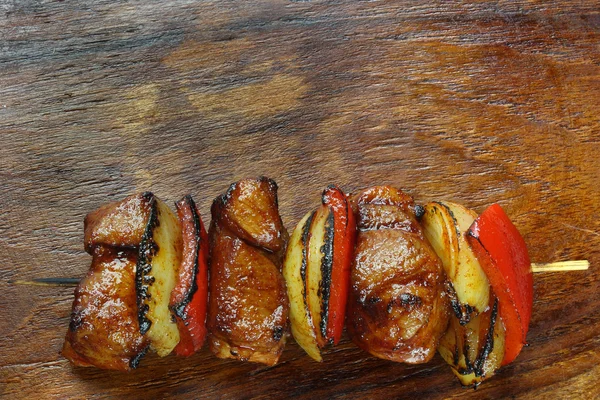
[473, 102]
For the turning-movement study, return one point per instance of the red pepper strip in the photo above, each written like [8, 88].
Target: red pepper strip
[343, 248]
[189, 297]
[502, 253]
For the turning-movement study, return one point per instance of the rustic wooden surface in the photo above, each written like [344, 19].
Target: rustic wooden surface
[478, 103]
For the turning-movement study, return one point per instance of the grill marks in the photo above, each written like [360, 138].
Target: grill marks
[159, 259]
[187, 202]
[317, 241]
[305, 238]
[488, 343]
[143, 277]
[477, 347]
[189, 297]
[462, 311]
[326, 270]
[317, 269]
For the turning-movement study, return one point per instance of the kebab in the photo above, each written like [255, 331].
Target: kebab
[143, 241]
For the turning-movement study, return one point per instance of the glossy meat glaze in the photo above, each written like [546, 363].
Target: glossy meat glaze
[104, 329]
[248, 305]
[397, 307]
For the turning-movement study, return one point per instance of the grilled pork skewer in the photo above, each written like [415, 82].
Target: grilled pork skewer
[559, 266]
[147, 286]
[248, 304]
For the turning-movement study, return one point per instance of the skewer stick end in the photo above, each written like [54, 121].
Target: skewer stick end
[561, 266]
[45, 282]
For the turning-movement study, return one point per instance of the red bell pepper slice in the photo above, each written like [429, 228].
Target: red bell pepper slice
[189, 297]
[343, 248]
[502, 253]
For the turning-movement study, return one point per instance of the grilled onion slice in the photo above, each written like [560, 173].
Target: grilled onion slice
[317, 272]
[294, 272]
[473, 345]
[444, 225]
[474, 350]
[157, 270]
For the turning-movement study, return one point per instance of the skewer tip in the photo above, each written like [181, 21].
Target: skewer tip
[45, 282]
[561, 266]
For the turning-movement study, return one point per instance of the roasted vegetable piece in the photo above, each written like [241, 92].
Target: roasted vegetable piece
[502, 253]
[397, 307]
[294, 272]
[248, 305]
[344, 231]
[474, 342]
[104, 330]
[317, 272]
[157, 270]
[444, 225]
[475, 349]
[190, 296]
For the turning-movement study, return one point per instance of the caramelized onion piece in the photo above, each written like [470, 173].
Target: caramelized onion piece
[159, 257]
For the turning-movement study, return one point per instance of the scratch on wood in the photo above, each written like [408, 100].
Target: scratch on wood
[580, 229]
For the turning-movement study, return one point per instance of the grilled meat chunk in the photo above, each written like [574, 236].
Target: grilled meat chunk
[397, 306]
[104, 329]
[248, 304]
[118, 224]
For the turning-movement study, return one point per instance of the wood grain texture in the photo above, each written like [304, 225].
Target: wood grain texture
[476, 102]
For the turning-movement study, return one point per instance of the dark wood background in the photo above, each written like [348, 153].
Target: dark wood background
[475, 102]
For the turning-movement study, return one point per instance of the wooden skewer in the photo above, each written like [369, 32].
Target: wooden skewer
[560, 266]
[47, 282]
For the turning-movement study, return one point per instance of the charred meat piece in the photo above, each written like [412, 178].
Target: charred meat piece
[397, 306]
[248, 304]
